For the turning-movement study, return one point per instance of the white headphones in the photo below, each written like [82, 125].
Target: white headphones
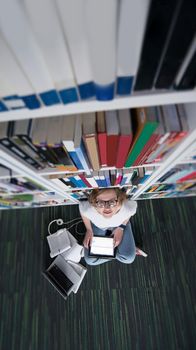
[61, 222]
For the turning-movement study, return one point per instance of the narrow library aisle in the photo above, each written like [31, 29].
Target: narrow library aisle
[146, 305]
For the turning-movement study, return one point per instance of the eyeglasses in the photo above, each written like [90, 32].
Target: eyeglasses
[102, 204]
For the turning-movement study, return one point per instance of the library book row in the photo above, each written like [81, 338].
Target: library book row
[19, 191]
[180, 181]
[103, 49]
[94, 141]
[11, 183]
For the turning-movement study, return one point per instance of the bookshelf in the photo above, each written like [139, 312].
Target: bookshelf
[67, 195]
[39, 76]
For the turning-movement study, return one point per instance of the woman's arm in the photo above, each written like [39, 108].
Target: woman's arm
[89, 232]
[118, 233]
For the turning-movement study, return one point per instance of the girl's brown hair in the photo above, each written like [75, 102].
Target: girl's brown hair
[121, 195]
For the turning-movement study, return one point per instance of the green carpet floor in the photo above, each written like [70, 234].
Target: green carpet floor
[146, 305]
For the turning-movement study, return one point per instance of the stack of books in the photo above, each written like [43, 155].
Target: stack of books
[96, 141]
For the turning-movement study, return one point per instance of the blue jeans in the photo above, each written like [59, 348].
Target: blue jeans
[125, 251]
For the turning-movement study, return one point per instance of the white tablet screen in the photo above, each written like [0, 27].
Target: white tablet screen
[102, 246]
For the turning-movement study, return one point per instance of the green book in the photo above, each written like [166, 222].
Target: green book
[147, 131]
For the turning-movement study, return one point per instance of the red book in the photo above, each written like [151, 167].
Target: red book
[102, 144]
[123, 150]
[119, 177]
[125, 137]
[147, 149]
[83, 178]
[112, 129]
[172, 141]
[112, 147]
[191, 176]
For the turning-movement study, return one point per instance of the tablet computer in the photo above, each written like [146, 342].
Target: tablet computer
[102, 247]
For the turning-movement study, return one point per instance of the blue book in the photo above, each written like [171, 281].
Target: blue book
[81, 153]
[80, 182]
[102, 179]
[107, 178]
[76, 160]
[74, 181]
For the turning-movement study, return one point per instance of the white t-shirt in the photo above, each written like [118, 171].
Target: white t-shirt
[128, 209]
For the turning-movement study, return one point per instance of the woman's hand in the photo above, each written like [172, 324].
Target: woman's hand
[117, 235]
[88, 238]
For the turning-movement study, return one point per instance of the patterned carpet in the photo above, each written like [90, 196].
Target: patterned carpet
[146, 305]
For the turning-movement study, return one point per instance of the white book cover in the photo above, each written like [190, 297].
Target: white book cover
[13, 79]
[131, 29]
[72, 19]
[68, 131]
[92, 181]
[112, 124]
[19, 35]
[101, 24]
[50, 38]
[39, 130]
[54, 131]
[128, 177]
[125, 122]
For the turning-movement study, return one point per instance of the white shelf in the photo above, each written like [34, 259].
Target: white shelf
[143, 99]
[72, 173]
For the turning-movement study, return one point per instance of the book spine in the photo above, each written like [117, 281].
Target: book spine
[102, 143]
[73, 22]
[123, 149]
[112, 147]
[19, 153]
[147, 131]
[132, 22]
[102, 45]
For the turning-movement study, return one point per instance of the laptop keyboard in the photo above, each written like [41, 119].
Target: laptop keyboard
[62, 281]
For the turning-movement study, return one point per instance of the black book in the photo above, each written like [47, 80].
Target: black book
[61, 155]
[180, 36]
[12, 148]
[168, 174]
[68, 182]
[20, 136]
[188, 79]
[159, 20]
[38, 136]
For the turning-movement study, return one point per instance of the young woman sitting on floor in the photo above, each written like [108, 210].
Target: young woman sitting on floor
[109, 209]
